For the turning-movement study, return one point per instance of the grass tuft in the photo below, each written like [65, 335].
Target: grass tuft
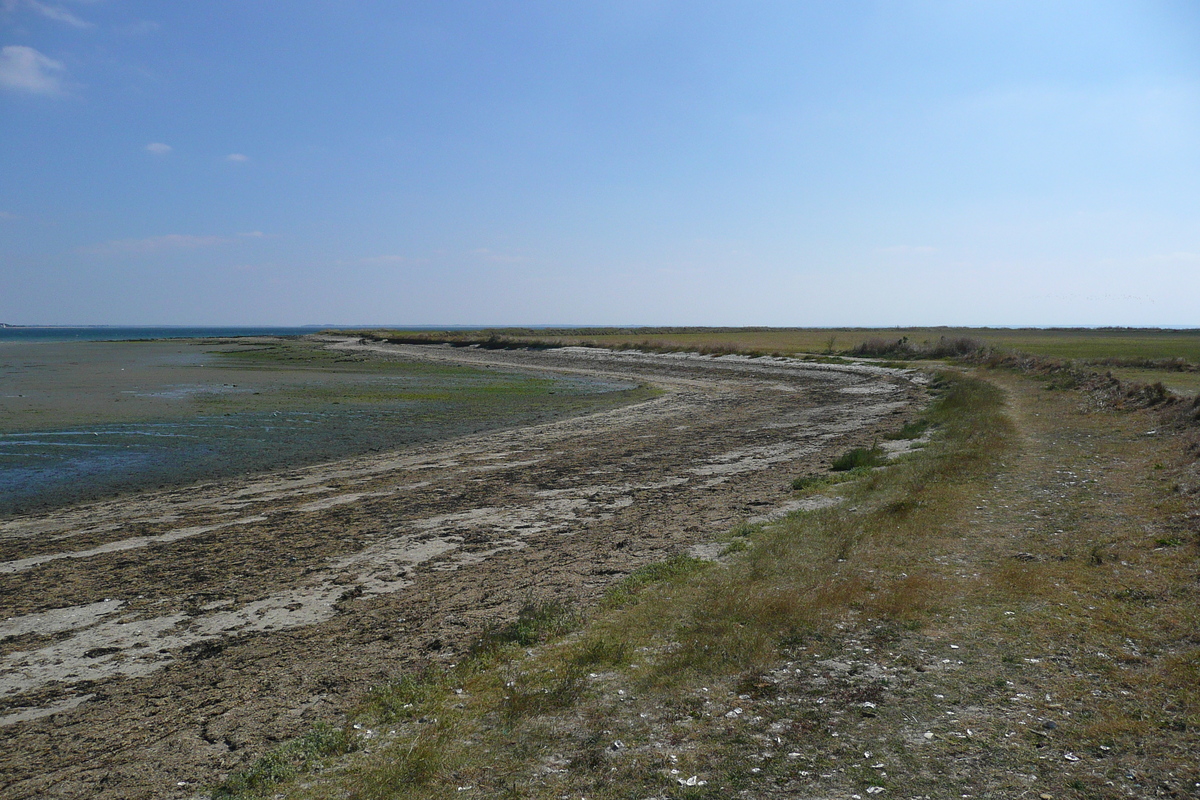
[405, 766]
[910, 430]
[858, 458]
[404, 698]
[627, 591]
[285, 762]
[602, 651]
[535, 623]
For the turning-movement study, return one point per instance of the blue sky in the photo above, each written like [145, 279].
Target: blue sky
[902, 162]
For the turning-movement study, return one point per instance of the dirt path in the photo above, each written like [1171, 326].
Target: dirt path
[153, 643]
[1061, 656]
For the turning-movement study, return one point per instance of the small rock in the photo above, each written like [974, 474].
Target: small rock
[928, 734]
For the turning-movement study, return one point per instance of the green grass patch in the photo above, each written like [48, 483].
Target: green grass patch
[286, 762]
[535, 623]
[859, 458]
[739, 545]
[405, 698]
[910, 430]
[627, 591]
[599, 650]
[823, 480]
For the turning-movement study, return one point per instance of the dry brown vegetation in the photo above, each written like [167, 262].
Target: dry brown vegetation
[1141, 348]
[1011, 611]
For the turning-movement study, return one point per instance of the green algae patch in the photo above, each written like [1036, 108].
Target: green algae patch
[98, 419]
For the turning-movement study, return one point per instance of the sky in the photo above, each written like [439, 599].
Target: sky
[622, 162]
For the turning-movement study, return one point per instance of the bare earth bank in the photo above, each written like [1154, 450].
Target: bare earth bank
[152, 644]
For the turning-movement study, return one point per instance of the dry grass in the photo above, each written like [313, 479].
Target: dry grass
[1142, 348]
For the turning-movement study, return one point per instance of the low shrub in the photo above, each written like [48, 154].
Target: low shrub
[955, 347]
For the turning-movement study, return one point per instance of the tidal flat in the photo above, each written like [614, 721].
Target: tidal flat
[155, 644]
[81, 421]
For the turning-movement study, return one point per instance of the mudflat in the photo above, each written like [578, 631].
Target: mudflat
[154, 642]
[87, 420]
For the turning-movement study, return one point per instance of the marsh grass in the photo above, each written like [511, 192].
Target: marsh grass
[1137, 355]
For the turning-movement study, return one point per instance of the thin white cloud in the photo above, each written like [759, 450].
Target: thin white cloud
[253, 235]
[143, 27]
[153, 244]
[499, 258]
[23, 69]
[58, 14]
[237, 158]
[158, 148]
[376, 260]
[907, 249]
[1182, 257]
[7, 215]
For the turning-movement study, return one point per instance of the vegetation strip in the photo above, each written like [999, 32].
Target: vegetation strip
[1135, 356]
